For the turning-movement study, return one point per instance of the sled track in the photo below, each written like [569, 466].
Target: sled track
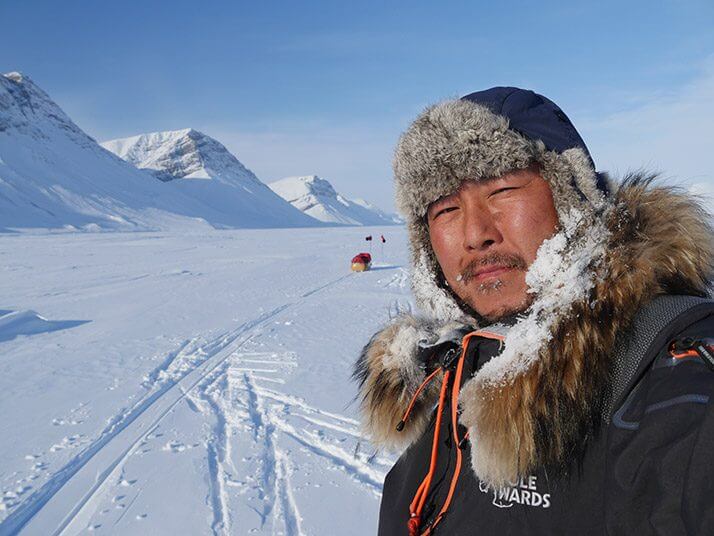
[226, 394]
[237, 402]
[267, 426]
[170, 383]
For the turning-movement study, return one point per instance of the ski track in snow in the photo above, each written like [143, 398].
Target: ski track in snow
[399, 281]
[239, 404]
[289, 509]
[208, 375]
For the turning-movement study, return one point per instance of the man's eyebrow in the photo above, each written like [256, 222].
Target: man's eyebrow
[488, 180]
[442, 199]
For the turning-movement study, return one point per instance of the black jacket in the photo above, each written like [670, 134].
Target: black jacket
[649, 471]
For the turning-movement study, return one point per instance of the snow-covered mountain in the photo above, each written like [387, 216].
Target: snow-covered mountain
[317, 197]
[182, 154]
[393, 218]
[52, 174]
[202, 168]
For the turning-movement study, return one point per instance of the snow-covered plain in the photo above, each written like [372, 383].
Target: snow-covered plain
[189, 382]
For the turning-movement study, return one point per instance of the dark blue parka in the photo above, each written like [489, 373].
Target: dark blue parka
[649, 471]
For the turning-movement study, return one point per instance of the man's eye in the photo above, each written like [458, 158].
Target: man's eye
[500, 190]
[444, 211]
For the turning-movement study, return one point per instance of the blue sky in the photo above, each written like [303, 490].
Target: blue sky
[325, 87]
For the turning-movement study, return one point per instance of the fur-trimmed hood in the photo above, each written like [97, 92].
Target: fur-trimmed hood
[539, 402]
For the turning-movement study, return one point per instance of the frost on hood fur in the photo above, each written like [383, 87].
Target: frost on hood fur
[539, 402]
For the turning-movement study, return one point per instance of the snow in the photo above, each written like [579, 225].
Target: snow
[561, 275]
[394, 218]
[15, 323]
[183, 153]
[203, 169]
[162, 371]
[53, 175]
[317, 197]
[189, 382]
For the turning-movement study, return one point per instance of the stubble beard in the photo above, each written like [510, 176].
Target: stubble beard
[503, 312]
[495, 286]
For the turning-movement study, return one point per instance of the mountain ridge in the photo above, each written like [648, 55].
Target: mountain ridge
[202, 168]
[317, 197]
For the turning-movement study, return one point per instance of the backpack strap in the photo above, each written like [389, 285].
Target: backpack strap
[654, 324]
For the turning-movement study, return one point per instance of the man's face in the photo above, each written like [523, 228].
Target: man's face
[487, 234]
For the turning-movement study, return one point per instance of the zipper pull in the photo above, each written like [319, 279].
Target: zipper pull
[690, 347]
[450, 357]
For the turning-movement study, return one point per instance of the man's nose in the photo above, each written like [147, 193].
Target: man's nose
[480, 229]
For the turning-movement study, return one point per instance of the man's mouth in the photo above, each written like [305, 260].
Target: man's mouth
[489, 272]
[485, 270]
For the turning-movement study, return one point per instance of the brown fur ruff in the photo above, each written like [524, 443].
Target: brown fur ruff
[661, 243]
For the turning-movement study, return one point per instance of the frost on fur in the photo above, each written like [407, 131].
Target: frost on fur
[497, 402]
[389, 372]
[392, 366]
[429, 295]
[562, 273]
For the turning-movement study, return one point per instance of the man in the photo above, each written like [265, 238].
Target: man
[555, 383]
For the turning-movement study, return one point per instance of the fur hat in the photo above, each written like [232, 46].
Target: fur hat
[482, 135]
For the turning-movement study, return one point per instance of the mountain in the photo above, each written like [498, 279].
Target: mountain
[393, 218]
[203, 169]
[53, 175]
[316, 197]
